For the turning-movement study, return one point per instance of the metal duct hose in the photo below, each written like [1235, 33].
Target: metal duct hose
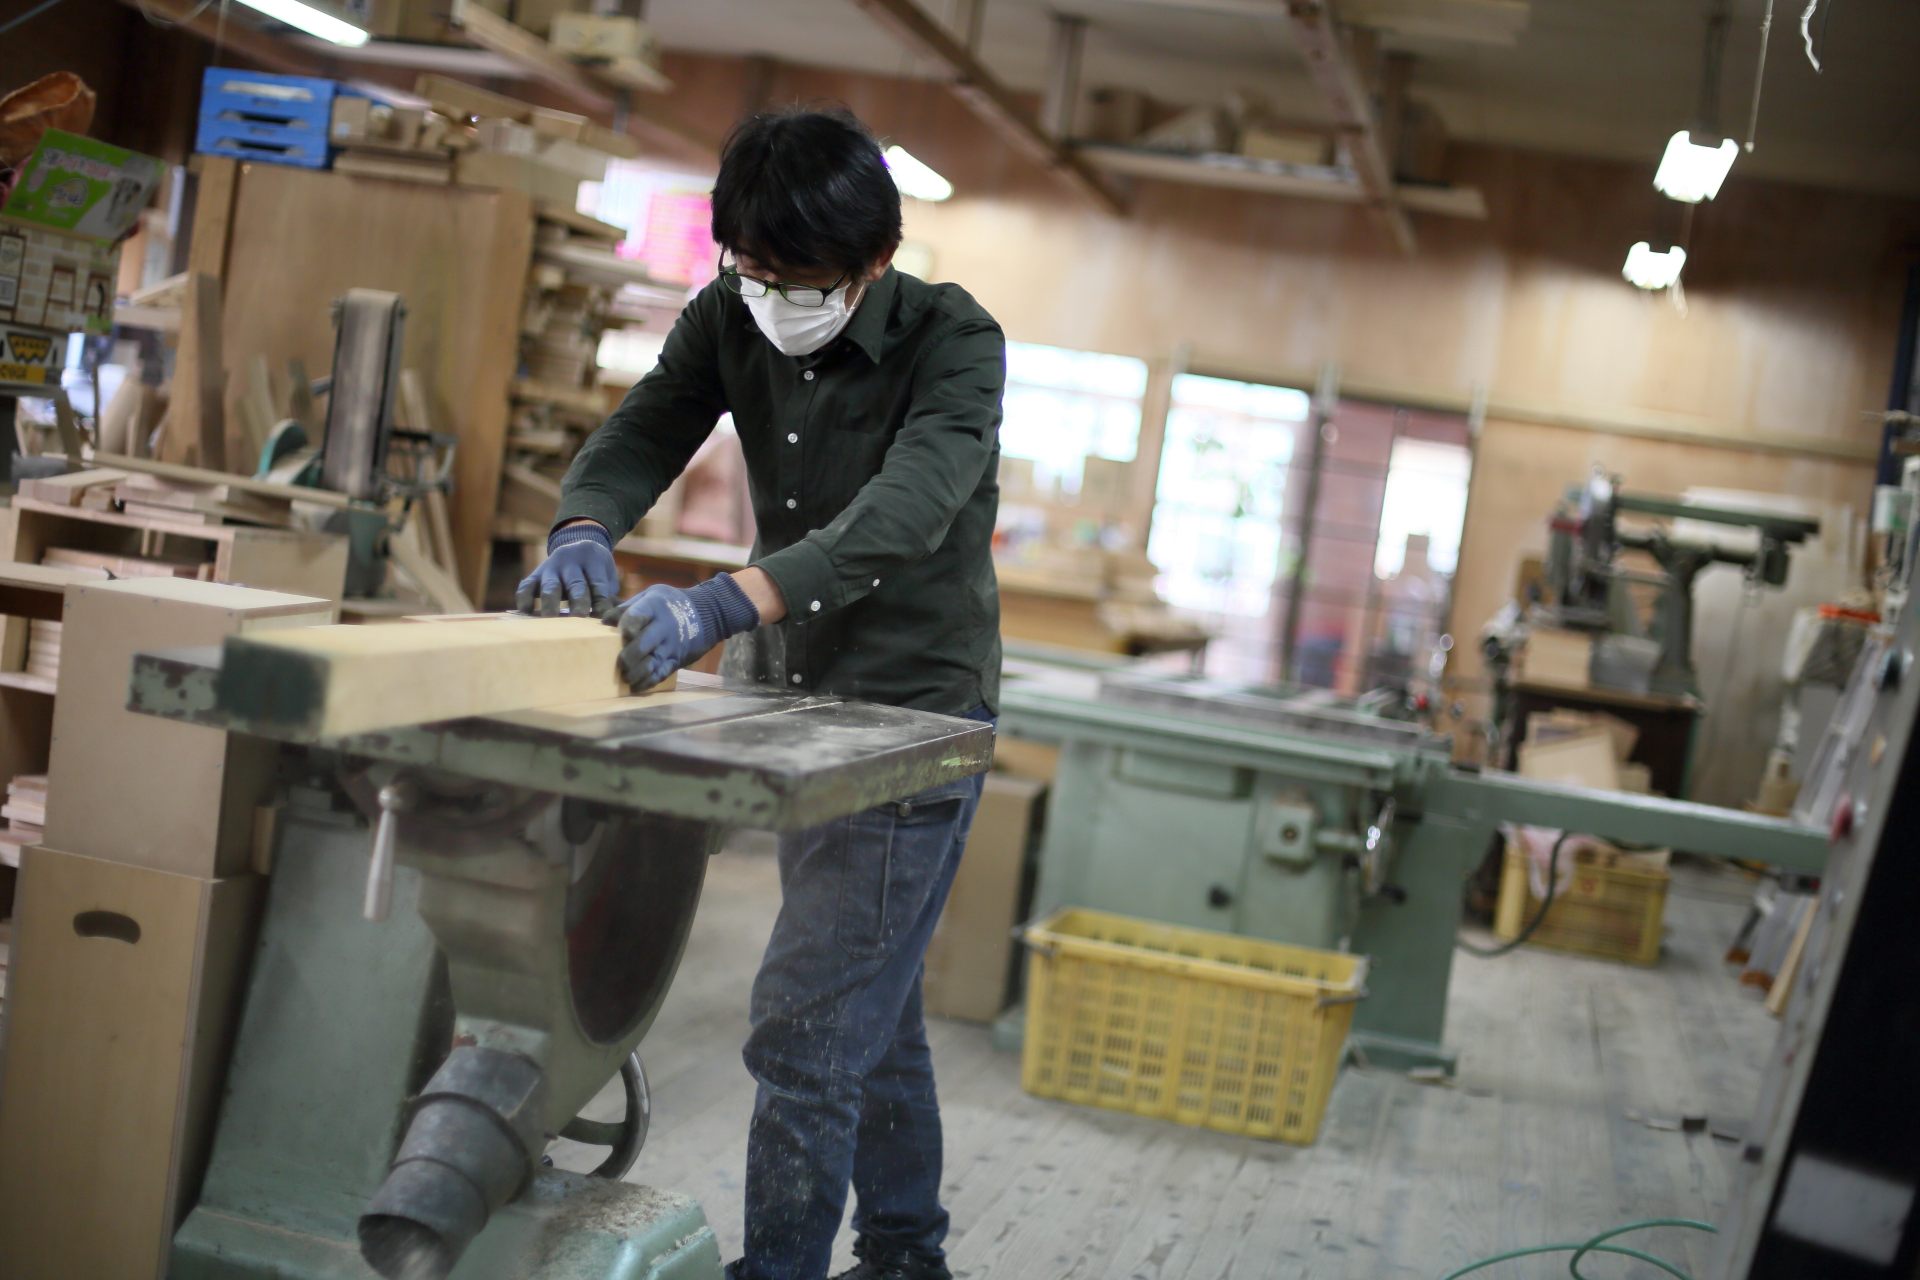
[472, 1144]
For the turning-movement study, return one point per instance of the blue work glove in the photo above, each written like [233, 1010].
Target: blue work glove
[580, 567]
[665, 628]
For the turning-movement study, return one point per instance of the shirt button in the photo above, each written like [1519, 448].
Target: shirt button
[816, 606]
[792, 503]
[793, 437]
[876, 582]
[808, 375]
[796, 677]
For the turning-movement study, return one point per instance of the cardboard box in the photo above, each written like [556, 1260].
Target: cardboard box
[590, 36]
[970, 969]
[53, 282]
[32, 355]
[124, 987]
[1288, 148]
[134, 788]
[80, 187]
[60, 228]
[1558, 657]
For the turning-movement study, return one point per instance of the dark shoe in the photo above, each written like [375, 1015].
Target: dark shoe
[889, 1264]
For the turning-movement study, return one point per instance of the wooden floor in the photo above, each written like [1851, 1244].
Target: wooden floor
[1543, 1137]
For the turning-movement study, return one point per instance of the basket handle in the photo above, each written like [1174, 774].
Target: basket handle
[1023, 934]
[1351, 997]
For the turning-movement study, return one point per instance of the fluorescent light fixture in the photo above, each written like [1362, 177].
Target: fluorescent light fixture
[315, 22]
[915, 178]
[1646, 269]
[1693, 171]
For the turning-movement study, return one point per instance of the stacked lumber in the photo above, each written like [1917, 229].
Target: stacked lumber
[413, 144]
[25, 813]
[111, 566]
[184, 502]
[43, 649]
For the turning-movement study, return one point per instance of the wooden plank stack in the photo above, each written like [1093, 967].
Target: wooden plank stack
[25, 813]
[177, 502]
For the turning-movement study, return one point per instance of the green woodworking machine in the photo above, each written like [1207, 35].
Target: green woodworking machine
[469, 928]
[1294, 815]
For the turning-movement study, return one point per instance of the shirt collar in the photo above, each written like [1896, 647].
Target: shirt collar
[868, 328]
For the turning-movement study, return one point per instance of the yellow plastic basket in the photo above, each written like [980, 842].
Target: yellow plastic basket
[1207, 1029]
[1609, 912]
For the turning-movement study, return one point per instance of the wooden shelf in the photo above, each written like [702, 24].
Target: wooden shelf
[1273, 177]
[26, 680]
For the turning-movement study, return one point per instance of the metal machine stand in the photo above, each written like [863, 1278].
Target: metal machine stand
[533, 879]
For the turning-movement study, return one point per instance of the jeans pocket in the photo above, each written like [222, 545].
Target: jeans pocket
[893, 857]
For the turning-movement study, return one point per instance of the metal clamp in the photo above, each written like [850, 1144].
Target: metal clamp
[396, 798]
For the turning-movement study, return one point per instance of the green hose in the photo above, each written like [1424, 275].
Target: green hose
[1596, 1244]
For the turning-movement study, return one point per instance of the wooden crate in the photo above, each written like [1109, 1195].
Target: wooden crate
[295, 561]
[123, 990]
[134, 788]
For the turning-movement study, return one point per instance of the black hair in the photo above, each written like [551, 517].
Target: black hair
[806, 188]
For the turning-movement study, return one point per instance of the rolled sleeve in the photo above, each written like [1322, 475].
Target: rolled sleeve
[931, 469]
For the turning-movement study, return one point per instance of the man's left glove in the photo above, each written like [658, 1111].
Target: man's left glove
[665, 628]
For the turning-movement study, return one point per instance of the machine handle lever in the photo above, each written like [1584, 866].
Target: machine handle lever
[395, 798]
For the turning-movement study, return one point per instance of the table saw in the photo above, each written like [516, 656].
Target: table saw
[469, 928]
[1296, 815]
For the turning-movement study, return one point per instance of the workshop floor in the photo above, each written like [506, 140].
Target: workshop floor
[1544, 1137]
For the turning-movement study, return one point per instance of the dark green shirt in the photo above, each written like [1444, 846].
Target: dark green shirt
[873, 466]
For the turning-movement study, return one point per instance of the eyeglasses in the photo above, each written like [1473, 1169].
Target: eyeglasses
[800, 295]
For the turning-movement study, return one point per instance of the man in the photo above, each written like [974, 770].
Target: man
[868, 408]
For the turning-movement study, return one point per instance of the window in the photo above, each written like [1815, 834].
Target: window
[1065, 406]
[1222, 492]
[1322, 557]
[668, 217]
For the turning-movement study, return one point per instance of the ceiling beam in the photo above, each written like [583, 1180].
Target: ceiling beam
[1493, 22]
[1331, 63]
[992, 101]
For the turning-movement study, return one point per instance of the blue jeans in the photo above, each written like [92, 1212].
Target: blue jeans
[838, 1044]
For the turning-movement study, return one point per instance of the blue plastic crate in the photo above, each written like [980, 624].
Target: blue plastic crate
[251, 115]
[272, 144]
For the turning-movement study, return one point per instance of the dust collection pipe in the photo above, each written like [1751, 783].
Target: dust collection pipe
[471, 1146]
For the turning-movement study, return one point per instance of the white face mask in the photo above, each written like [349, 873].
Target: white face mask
[801, 331]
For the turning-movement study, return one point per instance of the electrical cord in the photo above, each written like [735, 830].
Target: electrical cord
[1596, 1244]
[1546, 904]
[28, 16]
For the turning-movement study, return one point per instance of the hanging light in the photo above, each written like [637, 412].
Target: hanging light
[1693, 171]
[1647, 269]
[914, 177]
[313, 21]
[1697, 159]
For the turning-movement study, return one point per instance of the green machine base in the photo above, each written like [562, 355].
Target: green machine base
[344, 1015]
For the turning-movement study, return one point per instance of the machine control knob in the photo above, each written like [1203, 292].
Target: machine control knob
[395, 799]
[1841, 825]
[1219, 897]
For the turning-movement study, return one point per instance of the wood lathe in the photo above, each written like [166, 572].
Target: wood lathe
[413, 1039]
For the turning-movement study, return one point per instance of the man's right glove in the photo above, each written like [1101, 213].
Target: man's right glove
[579, 567]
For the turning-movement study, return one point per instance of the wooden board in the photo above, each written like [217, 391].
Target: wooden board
[328, 682]
[196, 414]
[182, 795]
[420, 242]
[124, 986]
[212, 476]
[1554, 656]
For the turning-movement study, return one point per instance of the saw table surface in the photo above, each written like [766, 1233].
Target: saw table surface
[743, 757]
